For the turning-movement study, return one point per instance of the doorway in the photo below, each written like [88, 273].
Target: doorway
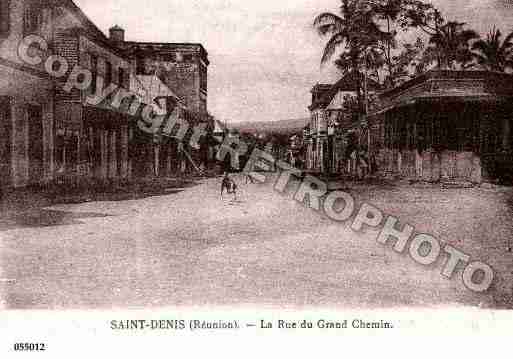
[35, 151]
[5, 142]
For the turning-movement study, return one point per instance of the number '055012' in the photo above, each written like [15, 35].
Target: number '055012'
[29, 347]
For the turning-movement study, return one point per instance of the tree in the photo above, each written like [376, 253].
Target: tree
[388, 11]
[420, 15]
[450, 46]
[409, 61]
[492, 53]
[355, 32]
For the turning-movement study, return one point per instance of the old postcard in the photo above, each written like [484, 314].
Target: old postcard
[183, 172]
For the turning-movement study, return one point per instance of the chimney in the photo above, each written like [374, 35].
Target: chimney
[117, 34]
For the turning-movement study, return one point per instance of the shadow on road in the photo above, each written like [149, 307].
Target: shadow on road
[26, 208]
[45, 218]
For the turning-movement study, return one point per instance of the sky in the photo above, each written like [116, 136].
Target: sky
[264, 54]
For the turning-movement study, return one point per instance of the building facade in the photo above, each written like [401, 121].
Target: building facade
[316, 138]
[182, 67]
[26, 98]
[53, 132]
[446, 125]
[91, 134]
[333, 113]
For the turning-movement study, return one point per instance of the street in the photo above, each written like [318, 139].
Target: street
[189, 247]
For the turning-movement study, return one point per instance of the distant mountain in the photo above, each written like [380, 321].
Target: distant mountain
[278, 127]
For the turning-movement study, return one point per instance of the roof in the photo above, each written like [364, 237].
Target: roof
[319, 96]
[494, 78]
[450, 85]
[123, 48]
[155, 87]
[321, 87]
[348, 83]
[101, 40]
[164, 47]
[337, 102]
[87, 28]
[77, 11]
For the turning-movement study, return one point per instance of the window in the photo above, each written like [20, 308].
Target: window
[203, 78]
[108, 78]
[32, 17]
[170, 58]
[124, 78]
[121, 77]
[140, 68]
[108, 73]
[94, 72]
[59, 151]
[5, 19]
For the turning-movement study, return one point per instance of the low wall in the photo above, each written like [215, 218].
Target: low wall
[430, 166]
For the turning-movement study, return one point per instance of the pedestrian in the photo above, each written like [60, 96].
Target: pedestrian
[229, 185]
[249, 178]
[363, 163]
[373, 164]
[353, 160]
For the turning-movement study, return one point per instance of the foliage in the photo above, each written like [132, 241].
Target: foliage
[409, 62]
[450, 47]
[492, 53]
[355, 32]
[363, 36]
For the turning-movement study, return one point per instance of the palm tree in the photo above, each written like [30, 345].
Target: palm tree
[388, 11]
[450, 46]
[354, 31]
[493, 54]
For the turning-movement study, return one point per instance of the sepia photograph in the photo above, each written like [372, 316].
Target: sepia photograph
[302, 156]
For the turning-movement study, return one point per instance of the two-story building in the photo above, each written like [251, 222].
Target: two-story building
[75, 118]
[183, 69]
[26, 97]
[331, 119]
[160, 156]
[92, 134]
